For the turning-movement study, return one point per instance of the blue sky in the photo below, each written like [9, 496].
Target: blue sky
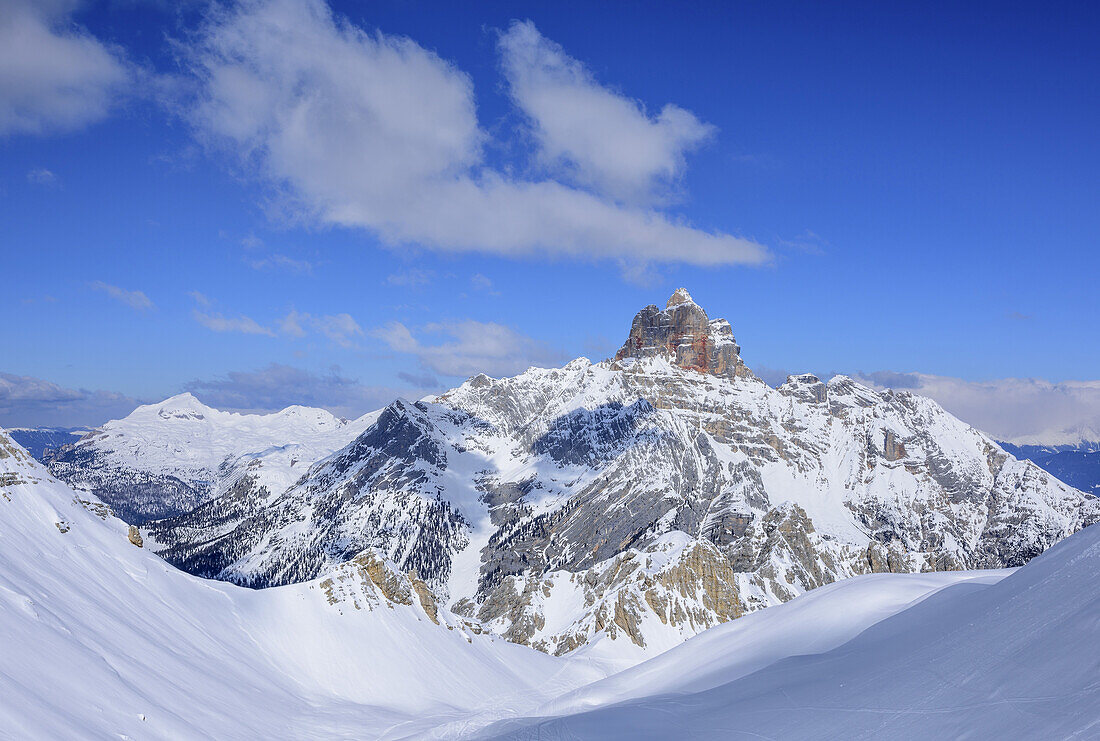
[336, 204]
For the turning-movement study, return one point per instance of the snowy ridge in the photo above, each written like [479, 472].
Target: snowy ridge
[620, 507]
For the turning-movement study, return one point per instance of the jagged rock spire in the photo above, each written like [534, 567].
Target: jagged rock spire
[680, 296]
[684, 334]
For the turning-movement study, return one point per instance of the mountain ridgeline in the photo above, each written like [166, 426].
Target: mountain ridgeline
[638, 500]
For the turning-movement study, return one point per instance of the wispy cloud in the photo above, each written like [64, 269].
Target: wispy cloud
[216, 322]
[278, 386]
[41, 176]
[482, 283]
[411, 278]
[276, 261]
[592, 134]
[26, 401]
[136, 300]
[468, 347]
[279, 82]
[340, 328]
[808, 243]
[54, 75]
[419, 380]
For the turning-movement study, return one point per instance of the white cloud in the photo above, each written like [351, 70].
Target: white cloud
[469, 347]
[26, 401]
[136, 300]
[481, 282]
[242, 324]
[41, 176]
[1018, 410]
[276, 261]
[374, 131]
[411, 278]
[603, 139]
[340, 328]
[53, 76]
[279, 386]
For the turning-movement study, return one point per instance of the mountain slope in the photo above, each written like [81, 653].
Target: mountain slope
[1014, 659]
[103, 639]
[635, 502]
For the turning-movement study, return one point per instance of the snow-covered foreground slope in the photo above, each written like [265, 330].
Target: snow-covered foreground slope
[1017, 658]
[101, 639]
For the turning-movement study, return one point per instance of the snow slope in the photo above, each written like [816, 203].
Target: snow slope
[814, 623]
[101, 639]
[1018, 658]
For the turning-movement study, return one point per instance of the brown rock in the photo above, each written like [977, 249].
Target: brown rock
[134, 536]
[683, 333]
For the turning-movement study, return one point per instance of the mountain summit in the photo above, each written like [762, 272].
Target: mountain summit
[684, 335]
[622, 506]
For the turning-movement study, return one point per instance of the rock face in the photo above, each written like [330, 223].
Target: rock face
[684, 334]
[634, 502]
[375, 493]
[134, 536]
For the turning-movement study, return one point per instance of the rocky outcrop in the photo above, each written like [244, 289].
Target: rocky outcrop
[684, 335]
[134, 536]
[668, 591]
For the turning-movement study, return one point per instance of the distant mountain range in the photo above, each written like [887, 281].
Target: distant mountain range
[614, 508]
[41, 441]
[1078, 465]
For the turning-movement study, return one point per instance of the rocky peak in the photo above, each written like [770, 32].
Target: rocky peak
[684, 334]
[680, 296]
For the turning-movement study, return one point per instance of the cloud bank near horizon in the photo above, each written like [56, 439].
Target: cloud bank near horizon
[1022, 411]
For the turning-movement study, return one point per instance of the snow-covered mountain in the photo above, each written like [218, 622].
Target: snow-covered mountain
[165, 459]
[1005, 658]
[640, 500]
[102, 639]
